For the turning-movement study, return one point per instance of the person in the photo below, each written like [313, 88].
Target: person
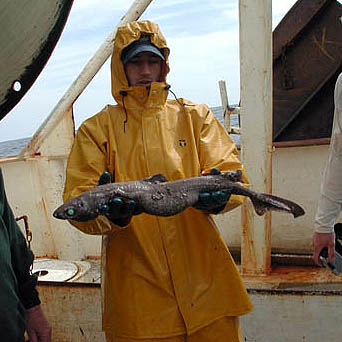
[20, 305]
[330, 201]
[164, 278]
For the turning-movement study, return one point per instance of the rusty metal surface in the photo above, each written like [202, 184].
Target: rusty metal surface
[307, 59]
[29, 31]
[308, 280]
[300, 15]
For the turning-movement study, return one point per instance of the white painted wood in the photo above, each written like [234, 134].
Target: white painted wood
[81, 82]
[24, 193]
[256, 125]
[227, 110]
[59, 141]
[34, 188]
[74, 312]
[67, 241]
[225, 104]
[293, 318]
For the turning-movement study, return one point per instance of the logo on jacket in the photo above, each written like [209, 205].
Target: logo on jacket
[182, 142]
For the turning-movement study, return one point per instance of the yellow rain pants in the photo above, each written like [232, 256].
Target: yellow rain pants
[226, 329]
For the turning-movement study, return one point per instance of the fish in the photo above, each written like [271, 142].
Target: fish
[158, 196]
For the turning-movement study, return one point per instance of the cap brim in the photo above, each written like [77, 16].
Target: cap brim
[142, 48]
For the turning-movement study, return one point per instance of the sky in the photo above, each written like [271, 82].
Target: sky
[203, 37]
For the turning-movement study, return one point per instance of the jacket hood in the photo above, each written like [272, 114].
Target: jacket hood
[126, 35]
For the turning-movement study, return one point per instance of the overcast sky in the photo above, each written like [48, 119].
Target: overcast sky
[203, 37]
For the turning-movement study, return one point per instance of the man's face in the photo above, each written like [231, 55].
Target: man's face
[143, 69]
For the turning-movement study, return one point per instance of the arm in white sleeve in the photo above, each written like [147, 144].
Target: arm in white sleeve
[330, 202]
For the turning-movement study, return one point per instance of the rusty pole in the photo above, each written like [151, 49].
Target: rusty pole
[256, 128]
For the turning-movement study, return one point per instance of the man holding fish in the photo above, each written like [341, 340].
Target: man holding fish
[164, 278]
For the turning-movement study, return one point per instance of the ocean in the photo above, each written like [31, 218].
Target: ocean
[13, 147]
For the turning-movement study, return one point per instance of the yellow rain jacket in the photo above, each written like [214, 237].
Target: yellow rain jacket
[162, 276]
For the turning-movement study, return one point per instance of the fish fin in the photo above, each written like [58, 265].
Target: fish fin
[159, 178]
[266, 202]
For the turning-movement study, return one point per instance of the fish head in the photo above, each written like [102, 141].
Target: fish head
[76, 209]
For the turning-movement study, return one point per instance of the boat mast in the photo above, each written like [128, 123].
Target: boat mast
[255, 19]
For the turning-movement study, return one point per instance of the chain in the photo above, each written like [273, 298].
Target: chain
[27, 232]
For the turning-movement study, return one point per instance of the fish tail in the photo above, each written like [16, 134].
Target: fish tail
[266, 202]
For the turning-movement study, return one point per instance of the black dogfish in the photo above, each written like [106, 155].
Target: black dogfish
[157, 196]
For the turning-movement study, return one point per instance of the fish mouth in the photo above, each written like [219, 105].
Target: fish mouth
[58, 215]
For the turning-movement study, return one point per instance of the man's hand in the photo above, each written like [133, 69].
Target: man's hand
[212, 202]
[321, 240]
[119, 210]
[38, 327]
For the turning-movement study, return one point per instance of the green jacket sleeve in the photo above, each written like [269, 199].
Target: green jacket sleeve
[16, 256]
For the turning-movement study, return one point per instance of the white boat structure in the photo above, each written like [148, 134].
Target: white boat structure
[293, 299]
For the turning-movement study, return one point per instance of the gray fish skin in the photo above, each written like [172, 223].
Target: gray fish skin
[159, 197]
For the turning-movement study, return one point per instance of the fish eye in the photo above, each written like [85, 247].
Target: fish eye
[104, 208]
[70, 212]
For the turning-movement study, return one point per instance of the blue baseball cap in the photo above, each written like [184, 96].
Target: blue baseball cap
[142, 45]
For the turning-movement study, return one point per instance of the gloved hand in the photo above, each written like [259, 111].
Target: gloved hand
[119, 210]
[38, 327]
[212, 202]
